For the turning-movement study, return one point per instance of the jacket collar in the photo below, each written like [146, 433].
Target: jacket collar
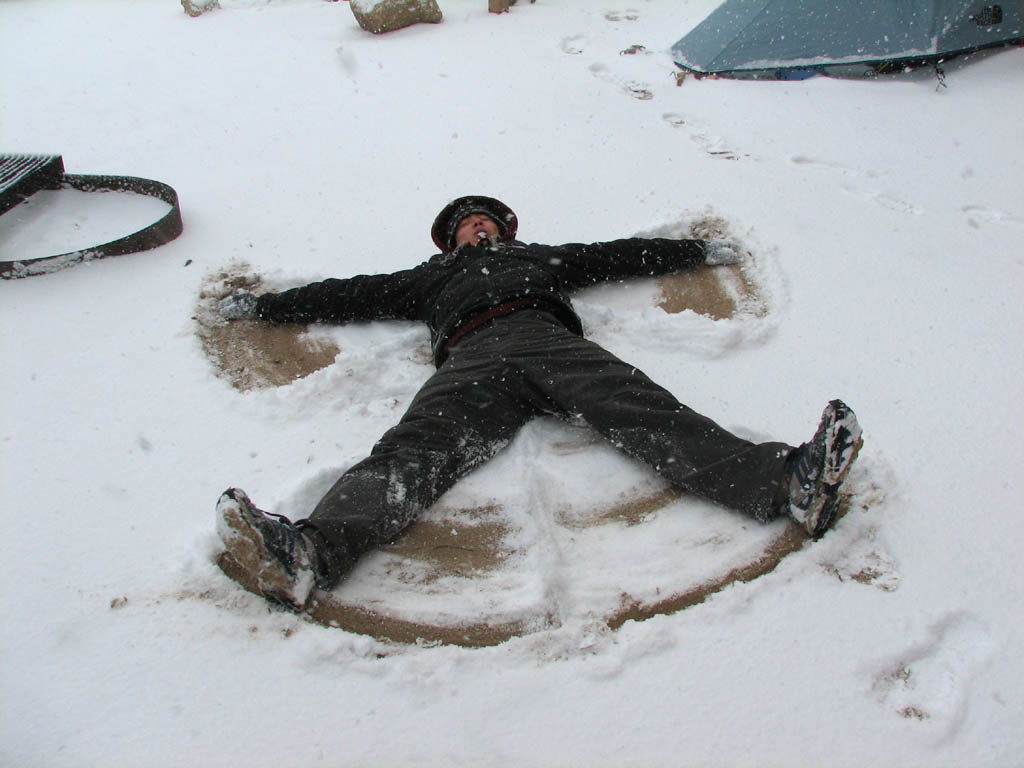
[465, 249]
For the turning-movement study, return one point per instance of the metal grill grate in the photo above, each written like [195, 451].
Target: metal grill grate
[23, 175]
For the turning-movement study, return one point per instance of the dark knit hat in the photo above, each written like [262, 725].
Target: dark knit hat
[447, 221]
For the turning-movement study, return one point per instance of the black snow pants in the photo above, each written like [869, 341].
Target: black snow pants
[499, 377]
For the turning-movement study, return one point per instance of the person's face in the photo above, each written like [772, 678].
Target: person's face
[474, 228]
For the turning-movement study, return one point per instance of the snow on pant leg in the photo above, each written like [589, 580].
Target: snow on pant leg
[464, 414]
[650, 424]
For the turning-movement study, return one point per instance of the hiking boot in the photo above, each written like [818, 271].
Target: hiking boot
[276, 558]
[817, 469]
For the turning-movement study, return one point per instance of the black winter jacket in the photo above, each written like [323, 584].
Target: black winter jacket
[450, 289]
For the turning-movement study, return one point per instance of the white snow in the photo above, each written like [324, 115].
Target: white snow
[885, 218]
[55, 221]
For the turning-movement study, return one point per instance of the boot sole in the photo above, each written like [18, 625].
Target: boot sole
[843, 442]
[240, 535]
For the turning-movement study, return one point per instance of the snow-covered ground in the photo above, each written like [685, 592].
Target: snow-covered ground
[885, 219]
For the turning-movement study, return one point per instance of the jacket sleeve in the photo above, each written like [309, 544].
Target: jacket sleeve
[579, 265]
[364, 297]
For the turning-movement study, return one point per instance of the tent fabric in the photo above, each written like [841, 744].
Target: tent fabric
[768, 37]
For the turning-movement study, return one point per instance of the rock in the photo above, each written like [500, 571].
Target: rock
[501, 6]
[379, 16]
[195, 7]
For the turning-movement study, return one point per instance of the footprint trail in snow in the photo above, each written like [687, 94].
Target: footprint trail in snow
[931, 682]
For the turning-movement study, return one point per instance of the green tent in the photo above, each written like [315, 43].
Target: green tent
[788, 39]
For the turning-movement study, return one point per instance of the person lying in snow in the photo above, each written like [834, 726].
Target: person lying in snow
[508, 347]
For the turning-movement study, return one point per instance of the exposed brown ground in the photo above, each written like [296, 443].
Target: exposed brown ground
[251, 353]
[256, 354]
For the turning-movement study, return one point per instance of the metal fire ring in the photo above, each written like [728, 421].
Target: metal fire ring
[21, 176]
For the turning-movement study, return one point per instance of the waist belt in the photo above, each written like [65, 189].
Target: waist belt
[487, 315]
